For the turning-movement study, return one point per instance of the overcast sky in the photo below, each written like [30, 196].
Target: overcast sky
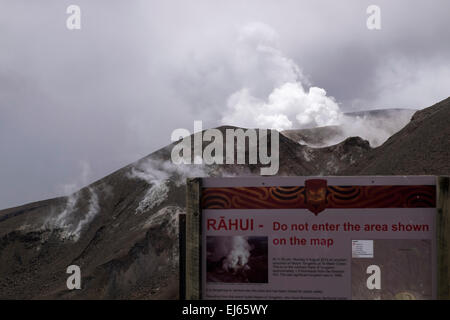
[77, 105]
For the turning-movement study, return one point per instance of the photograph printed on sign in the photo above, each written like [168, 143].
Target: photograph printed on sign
[237, 259]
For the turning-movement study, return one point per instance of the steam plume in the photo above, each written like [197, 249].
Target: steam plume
[283, 98]
[234, 252]
[157, 174]
[237, 258]
[280, 102]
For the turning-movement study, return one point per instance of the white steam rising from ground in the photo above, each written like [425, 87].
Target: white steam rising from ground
[73, 219]
[287, 107]
[237, 258]
[284, 99]
[80, 208]
[287, 104]
[157, 174]
[376, 130]
[235, 252]
[93, 210]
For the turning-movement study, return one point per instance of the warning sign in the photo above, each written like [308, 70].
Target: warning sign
[337, 238]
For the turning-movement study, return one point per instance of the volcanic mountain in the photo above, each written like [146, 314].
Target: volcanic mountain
[122, 230]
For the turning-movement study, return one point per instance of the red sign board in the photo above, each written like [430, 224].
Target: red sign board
[318, 238]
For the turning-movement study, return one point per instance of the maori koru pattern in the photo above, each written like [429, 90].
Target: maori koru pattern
[317, 196]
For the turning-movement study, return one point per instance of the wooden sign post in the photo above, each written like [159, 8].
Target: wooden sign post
[443, 237]
[317, 238]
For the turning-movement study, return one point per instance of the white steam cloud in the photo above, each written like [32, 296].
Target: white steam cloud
[76, 214]
[69, 221]
[235, 252]
[374, 129]
[157, 174]
[277, 95]
[237, 258]
[93, 210]
[281, 102]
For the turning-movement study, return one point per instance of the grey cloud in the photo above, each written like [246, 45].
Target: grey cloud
[114, 91]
